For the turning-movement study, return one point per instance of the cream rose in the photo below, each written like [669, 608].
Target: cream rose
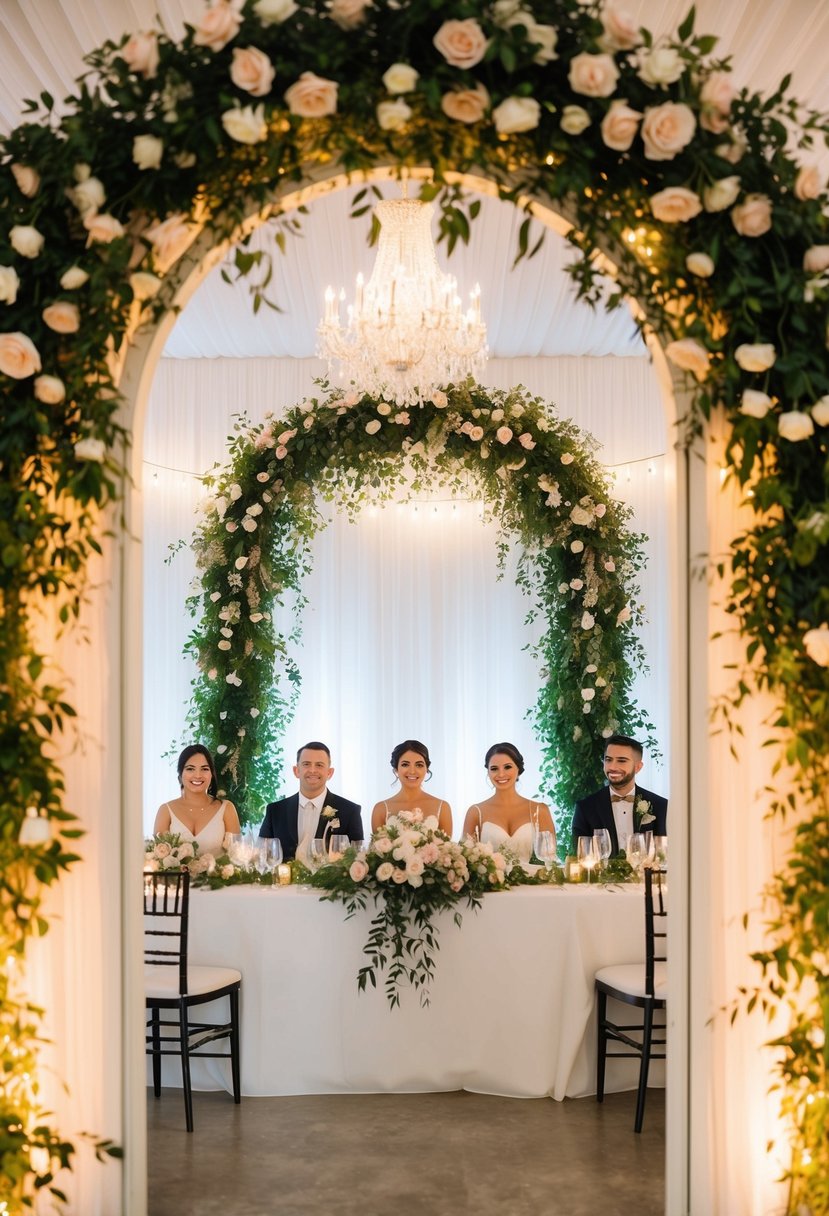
[19, 357]
[587, 619]
[755, 404]
[9, 283]
[274, 12]
[62, 317]
[348, 14]
[593, 75]
[700, 264]
[675, 204]
[373, 427]
[147, 151]
[90, 449]
[545, 37]
[384, 871]
[312, 96]
[735, 150]
[49, 389]
[503, 434]
[752, 217]
[219, 24]
[621, 32]
[252, 70]
[476, 434]
[26, 240]
[103, 229]
[755, 357]
[27, 178]
[461, 43]
[574, 120]
[619, 126]
[169, 238]
[144, 285]
[516, 114]
[72, 278]
[526, 440]
[400, 78]
[246, 124]
[663, 65]
[392, 115]
[716, 96]
[140, 53]
[795, 425]
[720, 195]
[808, 183]
[816, 259]
[816, 645]
[358, 870]
[667, 129]
[465, 105]
[690, 356]
[820, 411]
[88, 195]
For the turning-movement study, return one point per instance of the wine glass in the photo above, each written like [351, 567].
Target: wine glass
[636, 851]
[260, 860]
[337, 845]
[545, 849]
[649, 849]
[271, 847]
[603, 846]
[317, 853]
[660, 850]
[587, 855]
[234, 845]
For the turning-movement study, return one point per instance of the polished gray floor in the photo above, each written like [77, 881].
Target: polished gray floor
[418, 1154]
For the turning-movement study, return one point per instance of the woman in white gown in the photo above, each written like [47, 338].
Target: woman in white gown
[507, 819]
[197, 814]
[411, 766]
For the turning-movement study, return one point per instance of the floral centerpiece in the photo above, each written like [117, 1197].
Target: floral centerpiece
[412, 871]
[167, 851]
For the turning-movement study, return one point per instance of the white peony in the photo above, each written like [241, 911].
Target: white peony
[400, 78]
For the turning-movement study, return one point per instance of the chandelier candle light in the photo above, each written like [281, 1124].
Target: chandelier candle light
[407, 334]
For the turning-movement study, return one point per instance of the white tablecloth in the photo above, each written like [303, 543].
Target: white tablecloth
[512, 1003]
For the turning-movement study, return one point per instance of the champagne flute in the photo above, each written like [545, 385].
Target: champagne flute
[587, 854]
[545, 849]
[603, 846]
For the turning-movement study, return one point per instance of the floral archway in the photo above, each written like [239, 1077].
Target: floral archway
[714, 218]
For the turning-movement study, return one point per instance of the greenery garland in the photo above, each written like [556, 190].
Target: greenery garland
[701, 194]
[539, 481]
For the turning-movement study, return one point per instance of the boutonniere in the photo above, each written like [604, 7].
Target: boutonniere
[642, 812]
[329, 813]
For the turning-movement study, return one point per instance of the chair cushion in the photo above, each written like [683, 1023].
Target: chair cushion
[630, 978]
[162, 982]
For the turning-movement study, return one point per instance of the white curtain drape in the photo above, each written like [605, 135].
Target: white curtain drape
[408, 632]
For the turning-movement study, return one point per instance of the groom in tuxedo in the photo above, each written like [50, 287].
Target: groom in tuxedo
[305, 816]
[621, 806]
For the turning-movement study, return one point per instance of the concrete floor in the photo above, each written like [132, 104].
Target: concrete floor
[407, 1154]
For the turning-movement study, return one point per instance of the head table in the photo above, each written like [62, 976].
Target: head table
[512, 1004]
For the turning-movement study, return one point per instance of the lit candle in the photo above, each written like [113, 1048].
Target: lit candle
[573, 871]
[283, 873]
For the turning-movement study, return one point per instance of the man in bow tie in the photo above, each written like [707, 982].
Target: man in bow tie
[621, 806]
[314, 810]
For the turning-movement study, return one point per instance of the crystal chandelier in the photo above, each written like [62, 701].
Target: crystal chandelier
[406, 333]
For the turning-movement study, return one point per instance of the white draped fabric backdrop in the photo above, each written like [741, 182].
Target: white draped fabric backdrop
[408, 633]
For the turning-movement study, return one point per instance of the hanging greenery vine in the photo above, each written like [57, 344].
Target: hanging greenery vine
[540, 483]
[701, 194]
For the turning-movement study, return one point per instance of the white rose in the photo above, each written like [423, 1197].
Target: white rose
[545, 37]
[219, 24]
[90, 449]
[503, 434]
[581, 517]
[141, 54]
[716, 96]
[661, 66]
[700, 264]
[516, 114]
[619, 126]
[252, 71]
[755, 404]
[28, 179]
[461, 43]
[184, 160]
[246, 124]
[88, 196]
[312, 96]
[574, 120]
[72, 278]
[820, 411]
[465, 105]
[587, 620]
[62, 317]
[621, 32]
[593, 75]
[19, 357]
[816, 259]
[587, 694]
[392, 115]
[274, 12]
[373, 427]
[26, 240]
[816, 645]
[752, 217]
[691, 356]
[721, 194]
[348, 14]
[144, 285]
[147, 151]
[667, 129]
[758, 357]
[50, 390]
[675, 205]
[795, 425]
[808, 183]
[735, 150]
[400, 78]
[9, 283]
[102, 228]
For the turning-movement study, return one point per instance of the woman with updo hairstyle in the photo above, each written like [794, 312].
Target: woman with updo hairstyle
[197, 814]
[411, 766]
[507, 819]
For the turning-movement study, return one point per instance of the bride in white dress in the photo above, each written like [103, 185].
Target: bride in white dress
[198, 815]
[507, 819]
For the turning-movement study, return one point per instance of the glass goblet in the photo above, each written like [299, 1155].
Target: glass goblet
[602, 843]
[545, 849]
[660, 850]
[337, 845]
[317, 853]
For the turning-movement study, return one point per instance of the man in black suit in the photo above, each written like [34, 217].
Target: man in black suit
[314, 810]
[621, 806]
